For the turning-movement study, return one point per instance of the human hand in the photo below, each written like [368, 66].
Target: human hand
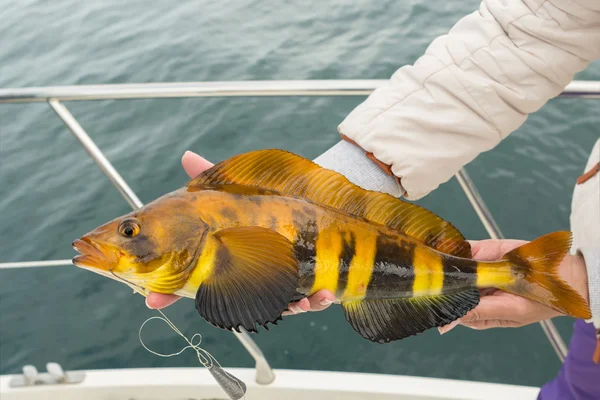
[194, 164]
[501, 309]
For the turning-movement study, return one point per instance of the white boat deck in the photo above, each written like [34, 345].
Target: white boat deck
[198, 384]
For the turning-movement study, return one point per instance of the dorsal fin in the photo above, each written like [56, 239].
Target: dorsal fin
[292, 175]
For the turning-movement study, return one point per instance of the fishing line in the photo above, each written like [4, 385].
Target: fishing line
[233, 387]
[204, 357]
[136, 288]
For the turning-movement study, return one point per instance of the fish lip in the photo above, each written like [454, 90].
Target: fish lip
[85, 248]
[84, 244]
[85, 261]
[91, 254]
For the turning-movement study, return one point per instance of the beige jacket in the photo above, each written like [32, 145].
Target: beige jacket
[474, 86]
[585, 225]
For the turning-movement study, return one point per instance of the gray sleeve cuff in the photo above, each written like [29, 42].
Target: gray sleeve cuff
[351, 161]
[592, 265]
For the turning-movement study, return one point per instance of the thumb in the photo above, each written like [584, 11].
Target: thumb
[194, 164]
[492, 323]
[490, 308]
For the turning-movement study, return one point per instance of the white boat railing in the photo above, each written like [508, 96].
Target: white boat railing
[340, 87]
[55, 95]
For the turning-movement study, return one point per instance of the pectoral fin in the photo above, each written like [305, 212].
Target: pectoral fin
[385, 320]
[255, 276]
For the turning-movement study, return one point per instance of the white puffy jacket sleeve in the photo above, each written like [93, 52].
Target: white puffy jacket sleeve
[474, 86]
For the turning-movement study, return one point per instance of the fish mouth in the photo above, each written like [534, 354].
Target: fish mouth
[93, 255]
[101, 259]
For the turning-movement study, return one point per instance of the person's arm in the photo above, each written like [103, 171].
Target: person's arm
[474, 86]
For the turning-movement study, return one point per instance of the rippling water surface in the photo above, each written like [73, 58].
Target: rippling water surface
[52, 192]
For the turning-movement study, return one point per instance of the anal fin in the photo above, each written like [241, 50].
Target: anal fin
[391, 319]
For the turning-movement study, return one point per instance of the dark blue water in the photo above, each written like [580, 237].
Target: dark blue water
[51, 192]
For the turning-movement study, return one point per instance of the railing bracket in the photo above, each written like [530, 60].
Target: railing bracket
[55, 376]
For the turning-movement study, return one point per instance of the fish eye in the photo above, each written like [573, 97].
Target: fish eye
[129, 227]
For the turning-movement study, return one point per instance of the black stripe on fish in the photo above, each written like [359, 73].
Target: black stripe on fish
[305, 252]
[393, 272]
[346, 256]
[459, 273]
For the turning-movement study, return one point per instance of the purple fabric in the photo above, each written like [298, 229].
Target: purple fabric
[579, 377]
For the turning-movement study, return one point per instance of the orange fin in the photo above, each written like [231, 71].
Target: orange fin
[254, 277]
[537, 263]
[293, 175]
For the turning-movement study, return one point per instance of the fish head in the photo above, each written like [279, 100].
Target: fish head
[153, 248]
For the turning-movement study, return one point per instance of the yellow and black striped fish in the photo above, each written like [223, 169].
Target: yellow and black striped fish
[268, 227]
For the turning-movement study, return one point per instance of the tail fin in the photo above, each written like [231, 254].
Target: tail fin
[536, 264]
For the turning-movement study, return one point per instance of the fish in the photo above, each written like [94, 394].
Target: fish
[269, 227]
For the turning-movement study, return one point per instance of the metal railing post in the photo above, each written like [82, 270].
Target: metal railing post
[495, 233]
[35, 264]
[264, 372]
[96, 154]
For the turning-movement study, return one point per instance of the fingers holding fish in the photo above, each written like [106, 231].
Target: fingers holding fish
[321, 300]
[502, 310]
[157, 301]
[317, 302]
[493, 249]
[481, 325]
[493, 323]
[297, 307]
